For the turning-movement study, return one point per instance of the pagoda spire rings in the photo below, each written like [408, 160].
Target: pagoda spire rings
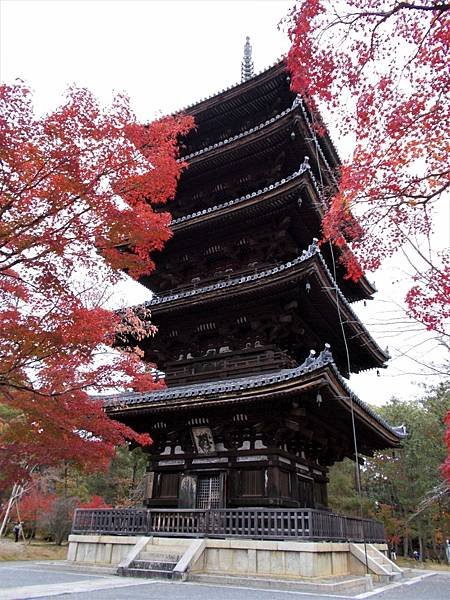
[247, 67]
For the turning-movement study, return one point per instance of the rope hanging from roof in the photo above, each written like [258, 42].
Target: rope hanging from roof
[247, 67]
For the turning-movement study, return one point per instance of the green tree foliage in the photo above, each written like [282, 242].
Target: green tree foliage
[405, 487]
[409, 481]
[342, 494]
[122, 484]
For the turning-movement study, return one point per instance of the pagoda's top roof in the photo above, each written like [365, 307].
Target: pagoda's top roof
[229, 93]
[172, 396]
[233, 98]
[264, 136]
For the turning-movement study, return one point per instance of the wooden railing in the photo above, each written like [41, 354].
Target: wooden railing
[257, 523]
[228, 364]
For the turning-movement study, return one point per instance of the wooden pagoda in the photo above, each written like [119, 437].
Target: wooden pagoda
[251, 315]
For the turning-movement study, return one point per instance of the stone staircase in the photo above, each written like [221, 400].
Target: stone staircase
[153, 560]
[379, 564]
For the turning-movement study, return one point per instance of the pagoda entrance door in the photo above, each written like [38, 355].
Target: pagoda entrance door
[209, 491]
[305, 491]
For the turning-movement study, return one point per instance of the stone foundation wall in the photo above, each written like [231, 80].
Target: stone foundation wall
[233, 556]
[279, 559]
[99, 549]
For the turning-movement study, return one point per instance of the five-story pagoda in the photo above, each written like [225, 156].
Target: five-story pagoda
[249, 309]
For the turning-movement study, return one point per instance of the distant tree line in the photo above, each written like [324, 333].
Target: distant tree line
[52, 494]
[405, 488]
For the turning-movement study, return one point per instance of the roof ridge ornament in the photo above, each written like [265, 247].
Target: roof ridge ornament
[247, 67]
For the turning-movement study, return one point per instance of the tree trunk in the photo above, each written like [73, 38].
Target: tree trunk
[11, 500]
[16, 494]
[405, 546]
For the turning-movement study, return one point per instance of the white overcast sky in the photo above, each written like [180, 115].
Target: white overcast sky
[166, 55]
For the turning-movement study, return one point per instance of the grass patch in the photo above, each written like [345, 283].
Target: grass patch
[37, 550]
[429, 565]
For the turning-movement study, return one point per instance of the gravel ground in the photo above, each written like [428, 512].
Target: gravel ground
[20, 580]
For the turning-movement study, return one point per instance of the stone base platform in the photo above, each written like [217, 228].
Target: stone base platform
[257, 558]
[210, 559]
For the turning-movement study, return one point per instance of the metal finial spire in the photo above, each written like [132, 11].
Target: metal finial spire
[247, 68]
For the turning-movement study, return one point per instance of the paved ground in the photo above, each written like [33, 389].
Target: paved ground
[21, 580]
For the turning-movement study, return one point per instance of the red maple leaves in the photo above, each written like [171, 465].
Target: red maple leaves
[381, 71]
[77, 189]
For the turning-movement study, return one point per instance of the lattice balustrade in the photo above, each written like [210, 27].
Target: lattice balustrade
[276, 524]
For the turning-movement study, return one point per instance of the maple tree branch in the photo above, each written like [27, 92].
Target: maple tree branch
[420, 44]
[21, 259]
[419, 199]
[17, 194]
[440, 8]
[53, 211]
[419, 252]
[351, 18]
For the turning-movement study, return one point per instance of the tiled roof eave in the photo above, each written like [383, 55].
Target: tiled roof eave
[244, 389]
[355, 319]
[278, 186]
[242, 283]
[234, 282]
[203, 153]
[222, 386]
[286, 186]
